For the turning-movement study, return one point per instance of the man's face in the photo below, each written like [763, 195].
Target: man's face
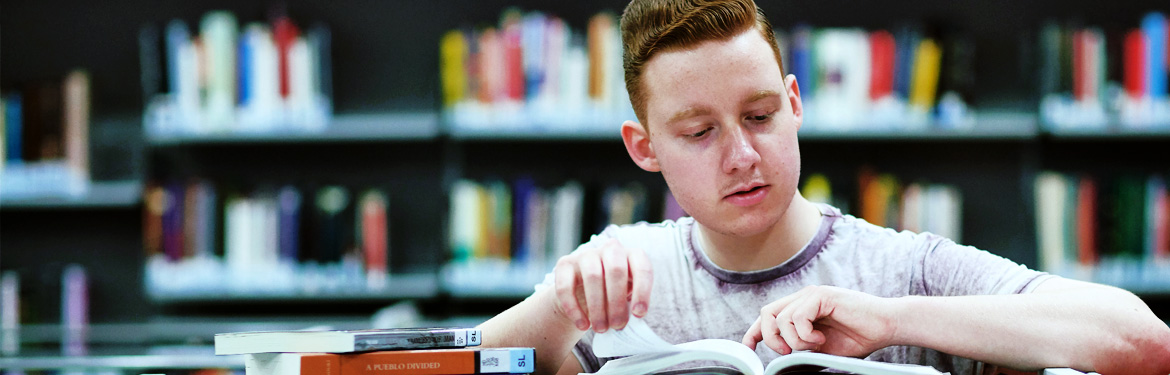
[722, 127]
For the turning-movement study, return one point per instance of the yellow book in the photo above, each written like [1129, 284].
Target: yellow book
[452, 66]
[817, 189]
[924, 82]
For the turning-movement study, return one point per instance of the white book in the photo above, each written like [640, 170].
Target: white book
[651, 354]
[345, 341]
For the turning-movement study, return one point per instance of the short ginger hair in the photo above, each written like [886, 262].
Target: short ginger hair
[652, 26]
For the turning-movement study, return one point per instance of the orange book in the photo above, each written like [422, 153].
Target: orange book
[396, 362]
[1087, 221]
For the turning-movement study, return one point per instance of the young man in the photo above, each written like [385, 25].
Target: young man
[757, 262]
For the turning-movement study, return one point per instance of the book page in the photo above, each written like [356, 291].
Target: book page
[637, 338]
[849, 364]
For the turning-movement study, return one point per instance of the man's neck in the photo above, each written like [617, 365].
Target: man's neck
[769, 248]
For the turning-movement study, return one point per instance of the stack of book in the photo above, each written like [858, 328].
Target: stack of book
[416, 351]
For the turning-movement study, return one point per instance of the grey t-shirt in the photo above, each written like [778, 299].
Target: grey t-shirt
[695, 299]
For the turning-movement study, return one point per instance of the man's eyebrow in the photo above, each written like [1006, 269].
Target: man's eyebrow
[689, 112]
[762, 94]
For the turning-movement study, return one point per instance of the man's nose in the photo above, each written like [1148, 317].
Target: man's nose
[741, 152]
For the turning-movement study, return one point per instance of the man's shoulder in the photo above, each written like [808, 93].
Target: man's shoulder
[849, 230]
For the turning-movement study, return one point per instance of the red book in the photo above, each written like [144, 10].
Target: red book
[1087, 221]
[374, 234]
[284, 33]
[1080, 68]
[882, 52]
[513, 56]
[1135, 63]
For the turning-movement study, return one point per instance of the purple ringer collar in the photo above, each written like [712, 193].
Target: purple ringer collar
[829, 214]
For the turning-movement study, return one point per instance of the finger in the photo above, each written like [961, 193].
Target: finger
[753, 336]
[566, 283]
[803, 316]
[771, 334]
[593, 280]
[617, 285]
[787, 326]
[642, 276]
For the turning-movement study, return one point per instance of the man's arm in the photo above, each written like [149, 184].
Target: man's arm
[532, 323]
[1062, 323]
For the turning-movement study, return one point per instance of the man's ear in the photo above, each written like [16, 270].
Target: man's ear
[637, 142]
[794, 99]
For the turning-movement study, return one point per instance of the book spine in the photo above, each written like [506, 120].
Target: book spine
[1154, 25]
[506, 360]
[74, 310]
[418, 340]
[436, 362]
[13, 126]
[1135, 62]
[410, 362]
[374, 229]
[10, 313]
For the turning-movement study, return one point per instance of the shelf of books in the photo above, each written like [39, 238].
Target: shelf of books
[97, 194]
[1114, 231]
[372, 127]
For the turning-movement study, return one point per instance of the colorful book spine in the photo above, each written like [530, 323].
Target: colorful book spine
[10, 313]
[927, 60]
[13, 128]
[74, 310]
[218, 35]
[1135, 64]
[1154, 26]
[374, 227]
[882, 52]
[1086, 218]
[76, 106]
[289, 201]
[436, 362]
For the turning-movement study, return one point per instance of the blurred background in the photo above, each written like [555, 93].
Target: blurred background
[172, 170]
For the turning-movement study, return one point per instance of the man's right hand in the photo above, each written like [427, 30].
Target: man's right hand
[601, 286]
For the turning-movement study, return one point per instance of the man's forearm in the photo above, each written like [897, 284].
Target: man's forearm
[533, 323]
[1093, 328]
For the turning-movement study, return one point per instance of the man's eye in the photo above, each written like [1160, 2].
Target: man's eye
[699, 133]
[760, 117]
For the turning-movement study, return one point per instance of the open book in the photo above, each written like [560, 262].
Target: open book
[648, 353]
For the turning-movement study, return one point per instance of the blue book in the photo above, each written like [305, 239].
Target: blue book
[289, 220]
[802, 61]
[244, 68]
[522, 190]
[906, 40]
[12, 128]
[177, 35]
[1154, 26]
